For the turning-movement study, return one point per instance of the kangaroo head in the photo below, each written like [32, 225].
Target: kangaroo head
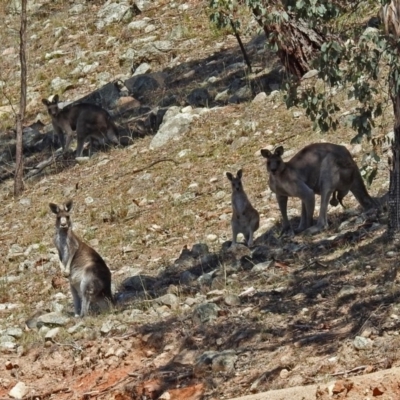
[274, 160]
[63, 220]
[52, 106]
[236, 182]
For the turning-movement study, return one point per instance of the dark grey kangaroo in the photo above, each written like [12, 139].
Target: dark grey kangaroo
[89, 276]
[88, 120]
[245, 218]
[321, 168]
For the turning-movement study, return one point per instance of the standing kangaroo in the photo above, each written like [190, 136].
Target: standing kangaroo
[89, 276]
[245, 218]
[88, 120]
[321, 168]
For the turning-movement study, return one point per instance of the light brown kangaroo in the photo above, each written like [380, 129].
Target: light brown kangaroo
[245, 218]
[321, 168]
[88, 120]
[89, 276]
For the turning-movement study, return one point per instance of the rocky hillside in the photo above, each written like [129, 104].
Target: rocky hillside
[195, 318]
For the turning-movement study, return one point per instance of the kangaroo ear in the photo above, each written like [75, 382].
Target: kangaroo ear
[239, 174]
[279, 151]
[229, 176]
[266, 153]
[55, 99]
[54, 208]
[68, 205]
[45, 102]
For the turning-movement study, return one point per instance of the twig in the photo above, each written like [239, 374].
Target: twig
[350, 370]
[355, 369]
[135, 171]
[45, 394]
[106, 390]
[41, 166]
[68, 345]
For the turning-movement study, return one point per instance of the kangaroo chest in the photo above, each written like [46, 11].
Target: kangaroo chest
[67, 246]
[240, 204]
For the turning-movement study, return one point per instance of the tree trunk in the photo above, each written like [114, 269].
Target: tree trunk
[19, 162]
[297, 43]
[394, 186]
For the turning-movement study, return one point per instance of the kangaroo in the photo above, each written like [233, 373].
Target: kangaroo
[245, 218]
[321, 168]
[89, 276]
[88, 120]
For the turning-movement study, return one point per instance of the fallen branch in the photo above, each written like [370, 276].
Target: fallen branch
[361, 367]
[108, 389]
[135, 171]
[44, 164]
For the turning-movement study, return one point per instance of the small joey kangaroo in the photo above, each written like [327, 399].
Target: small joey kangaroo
[89, 276]
[245, 218]
[88, 120]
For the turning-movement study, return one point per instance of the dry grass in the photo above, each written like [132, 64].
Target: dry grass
[305, 323]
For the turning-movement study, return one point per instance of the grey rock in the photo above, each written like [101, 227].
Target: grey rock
[59, 85]
[260, 98]
[199, 97]
[186, 278]
[76, 328]
[16, 248]
[346, 290]
[219, 195]
[133, 209]
[25, 202]
[310, 74]
[224, 362]
[297, 114]
[14, 332]
[170, 300]
[216, 361]
[77, 9]
[143, 68]
[362, 343]
[242, 94]
[52, 333]
[113, 12]
[232, 300]
[261, 267]
[155, 50]
[205, 280]
[239, 142]
[57, 307]
[205, 312]
[107, 327]
[19, 391]
[218, 282]
[222, 96]
[200, 249]
[138, 25]
[52, 318]
[142, 86]
[7, 347]
[145, 4]
[320, 284]
[203, 363]
[172, 128]
[138, 283]
[7, 339]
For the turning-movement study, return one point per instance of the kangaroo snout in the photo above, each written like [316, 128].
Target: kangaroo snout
[63, 223]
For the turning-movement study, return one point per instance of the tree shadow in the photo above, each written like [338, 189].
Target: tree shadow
[317, 294]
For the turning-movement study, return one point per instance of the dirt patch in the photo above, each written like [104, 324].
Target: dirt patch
[382, 384]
